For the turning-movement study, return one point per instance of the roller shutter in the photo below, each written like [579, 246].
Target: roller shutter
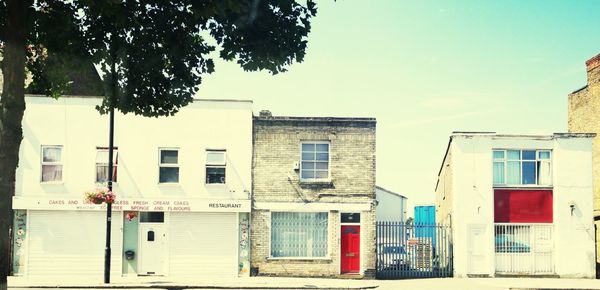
[203, 244]
[71, 243]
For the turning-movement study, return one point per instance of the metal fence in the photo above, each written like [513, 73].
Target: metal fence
[413, 251]
[524, 249]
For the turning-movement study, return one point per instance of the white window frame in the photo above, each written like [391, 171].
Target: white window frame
[115, 164]
[61, 163]
[328, 162]
[536, 160]
[329, 237]
[215, 165]
[173, 165]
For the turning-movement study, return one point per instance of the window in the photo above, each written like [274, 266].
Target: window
[315, 161]
[512, 238]
[215, 166]
[522, 167]
[52, 166]
[102, 164]
[152, 217]
[298, 235]
[168, 166]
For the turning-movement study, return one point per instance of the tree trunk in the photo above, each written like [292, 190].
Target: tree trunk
[12, 107]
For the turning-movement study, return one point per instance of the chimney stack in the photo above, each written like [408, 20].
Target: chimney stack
[593, 63]
[265, 114]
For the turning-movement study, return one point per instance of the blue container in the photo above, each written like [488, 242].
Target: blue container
[425, 223]
[424, 215]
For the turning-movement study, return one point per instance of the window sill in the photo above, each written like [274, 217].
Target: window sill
[52, 182]
[299, 259]
[533, 186]
[169, 184]
[316, 182]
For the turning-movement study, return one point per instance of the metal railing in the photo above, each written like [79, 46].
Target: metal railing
[413, 251]
[524, 248]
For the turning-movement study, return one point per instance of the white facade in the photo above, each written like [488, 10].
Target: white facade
[203, 228]
[465, 199]
[391, 206]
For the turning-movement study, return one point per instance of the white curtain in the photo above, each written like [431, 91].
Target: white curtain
[51, 172]
[296, 234]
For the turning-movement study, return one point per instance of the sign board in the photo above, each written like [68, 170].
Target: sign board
[134, 204]
[412, 242]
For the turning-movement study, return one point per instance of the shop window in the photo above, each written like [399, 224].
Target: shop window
[152, 217]
[216, 162]
[102, 164]
[52, 164]
[314, 163]
[298, 235]
[522, 167]
[512, 238]
[168, 166]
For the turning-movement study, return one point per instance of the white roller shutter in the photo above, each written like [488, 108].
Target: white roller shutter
[71, 243]
[203, 244]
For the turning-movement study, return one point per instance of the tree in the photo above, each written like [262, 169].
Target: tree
[152, 55]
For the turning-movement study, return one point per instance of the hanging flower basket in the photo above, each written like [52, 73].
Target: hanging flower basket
[131, 215]
[100, 195]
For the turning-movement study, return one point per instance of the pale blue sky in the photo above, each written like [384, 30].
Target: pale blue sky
[427, 68]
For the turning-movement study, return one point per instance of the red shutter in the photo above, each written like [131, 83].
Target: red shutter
[522, 206]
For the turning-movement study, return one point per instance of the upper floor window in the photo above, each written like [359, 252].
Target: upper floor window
[314, 164]
[215, 166]
[52, 163]
[168, 164]
[522, 167]
[102, 164]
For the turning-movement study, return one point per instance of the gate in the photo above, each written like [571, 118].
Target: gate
[413, 251]
[524, 249]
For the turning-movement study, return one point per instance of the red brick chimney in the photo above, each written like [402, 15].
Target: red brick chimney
[593, 62]
[593, 71]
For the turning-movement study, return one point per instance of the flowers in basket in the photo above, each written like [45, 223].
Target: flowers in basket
[131, 215]
[100, 195]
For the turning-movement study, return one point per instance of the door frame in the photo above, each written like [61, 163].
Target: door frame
[361, 241]
[166, 251]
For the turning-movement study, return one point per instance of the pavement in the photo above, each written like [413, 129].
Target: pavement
[316, 283]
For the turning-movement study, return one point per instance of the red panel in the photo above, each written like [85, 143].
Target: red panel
[522, 206]
[350, 249]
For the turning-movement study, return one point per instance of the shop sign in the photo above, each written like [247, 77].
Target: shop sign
[134, 204]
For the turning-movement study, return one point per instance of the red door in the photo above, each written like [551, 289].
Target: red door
[350, 252]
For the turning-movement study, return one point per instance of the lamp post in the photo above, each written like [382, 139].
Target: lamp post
[111, 135]
[110, 185]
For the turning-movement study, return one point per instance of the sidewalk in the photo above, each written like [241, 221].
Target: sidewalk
[199, 283]
[317, 283]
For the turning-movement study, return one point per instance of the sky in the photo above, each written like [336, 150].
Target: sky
[427, 68]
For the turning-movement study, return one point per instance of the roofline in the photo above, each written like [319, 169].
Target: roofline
[101, 97]
[316, 119]
[579, 90]
[389, 191]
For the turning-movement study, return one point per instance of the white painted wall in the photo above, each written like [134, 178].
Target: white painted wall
[390, 207]
[473, 200]
[79, 128]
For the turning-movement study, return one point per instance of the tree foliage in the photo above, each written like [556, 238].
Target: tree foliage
[161, 48]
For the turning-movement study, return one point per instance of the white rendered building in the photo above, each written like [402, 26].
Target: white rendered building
[518, 205]
[185, 178]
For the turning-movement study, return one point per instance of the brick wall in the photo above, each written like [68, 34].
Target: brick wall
[352, 154]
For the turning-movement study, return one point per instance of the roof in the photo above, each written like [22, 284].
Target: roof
[315, 119]
[579, 90]
[389, 191]
[100, 97]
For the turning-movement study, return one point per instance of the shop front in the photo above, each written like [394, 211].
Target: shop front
[150, 237]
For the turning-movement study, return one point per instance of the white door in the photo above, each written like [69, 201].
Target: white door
[152, 248]
[477, 244]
